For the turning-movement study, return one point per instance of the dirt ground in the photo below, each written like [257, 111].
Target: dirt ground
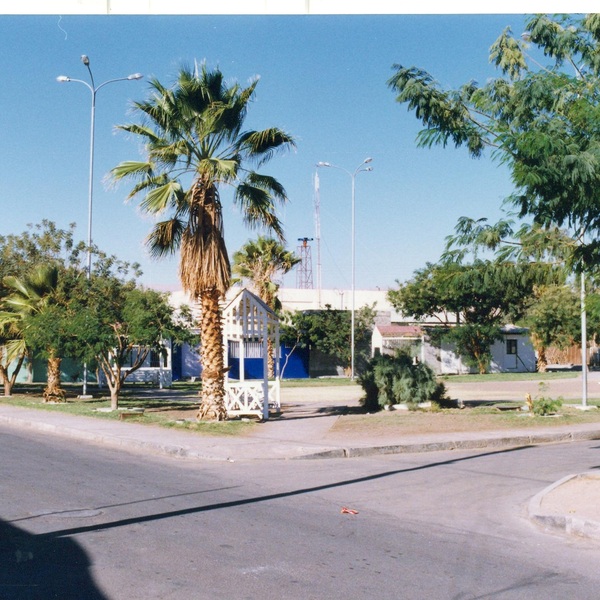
[345, 401]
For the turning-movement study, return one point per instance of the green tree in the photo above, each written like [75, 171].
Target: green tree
[471, 301]
[195, 145]
[541, 121]
[42, 320]
[119, 324]
[42, 243]
[553, 317]
[12, 350]
[260, 261]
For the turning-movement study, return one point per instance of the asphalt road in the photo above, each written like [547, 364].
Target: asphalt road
[84, 522]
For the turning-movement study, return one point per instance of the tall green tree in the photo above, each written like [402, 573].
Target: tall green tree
[539, 120]
[195, 144]
[42, 319]
[260, 261]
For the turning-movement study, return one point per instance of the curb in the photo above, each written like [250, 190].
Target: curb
[420, 447]
[568, 524]
[182, 451]
[171, 450]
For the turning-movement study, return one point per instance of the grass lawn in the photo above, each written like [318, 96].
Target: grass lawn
[176, 408]
[173, 412]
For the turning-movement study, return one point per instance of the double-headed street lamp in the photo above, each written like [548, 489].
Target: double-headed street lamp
[94, 90]
[361, 168]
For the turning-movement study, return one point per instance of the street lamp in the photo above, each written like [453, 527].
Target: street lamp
[361, 168]
[94, 90]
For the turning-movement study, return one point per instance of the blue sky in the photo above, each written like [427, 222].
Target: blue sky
[323, 79]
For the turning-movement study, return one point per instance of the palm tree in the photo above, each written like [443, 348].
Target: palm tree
[260, 261]
[195, 145]
[30, 296]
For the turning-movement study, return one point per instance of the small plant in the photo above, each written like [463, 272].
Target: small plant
[541, 405]
[390, 380]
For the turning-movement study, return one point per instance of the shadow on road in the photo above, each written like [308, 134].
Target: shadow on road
[39, 567]
[268, 497]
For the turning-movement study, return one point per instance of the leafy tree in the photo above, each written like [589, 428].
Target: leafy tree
[12, 350]
[42, 320]
[118, 325]
[553, 317]
[471, 301]
[541, 121]
[42, 243]
[260, 261]
[195, 145]
[330, 332]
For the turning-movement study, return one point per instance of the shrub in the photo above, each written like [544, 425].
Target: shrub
[543, 406]
[397, 379]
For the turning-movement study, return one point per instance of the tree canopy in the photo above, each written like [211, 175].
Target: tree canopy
[541, 120]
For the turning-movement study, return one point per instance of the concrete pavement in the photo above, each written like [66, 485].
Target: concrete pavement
[304, 432]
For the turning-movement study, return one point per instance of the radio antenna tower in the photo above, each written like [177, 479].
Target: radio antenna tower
[304, 275]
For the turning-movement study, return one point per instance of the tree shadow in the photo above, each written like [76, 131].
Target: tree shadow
[42, 566]
[294, 412]
[268, 497]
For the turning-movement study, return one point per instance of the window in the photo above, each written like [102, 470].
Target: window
[154, 359]
[511, 346]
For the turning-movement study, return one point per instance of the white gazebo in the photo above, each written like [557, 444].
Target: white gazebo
[248, 326]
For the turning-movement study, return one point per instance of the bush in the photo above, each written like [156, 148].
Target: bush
[543, 406]
[397, 379]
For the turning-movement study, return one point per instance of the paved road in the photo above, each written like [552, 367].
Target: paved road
[438, 526]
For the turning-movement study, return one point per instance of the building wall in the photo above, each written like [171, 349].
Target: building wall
[519, 358]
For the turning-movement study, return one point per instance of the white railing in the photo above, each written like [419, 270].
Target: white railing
[246, 397]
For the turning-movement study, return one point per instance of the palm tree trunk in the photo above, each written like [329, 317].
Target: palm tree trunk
[212, 406]
[542, 361]
[271, 358]
[53, 391]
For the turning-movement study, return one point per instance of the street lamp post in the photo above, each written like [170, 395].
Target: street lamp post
[94, 90]
[361, 168]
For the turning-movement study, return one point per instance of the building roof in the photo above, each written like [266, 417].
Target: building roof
[396, 331]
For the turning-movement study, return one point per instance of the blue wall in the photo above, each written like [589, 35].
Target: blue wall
[296, 368]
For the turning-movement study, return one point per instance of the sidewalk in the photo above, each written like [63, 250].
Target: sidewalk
[304, 432]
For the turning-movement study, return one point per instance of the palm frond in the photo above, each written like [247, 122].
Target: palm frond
[163, 197]
[204, 263]
[258, 208]
[260, 146]
[165, 238]
[133, 169]
[142, 130]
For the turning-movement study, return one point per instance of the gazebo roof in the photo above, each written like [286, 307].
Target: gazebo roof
[247, 316]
